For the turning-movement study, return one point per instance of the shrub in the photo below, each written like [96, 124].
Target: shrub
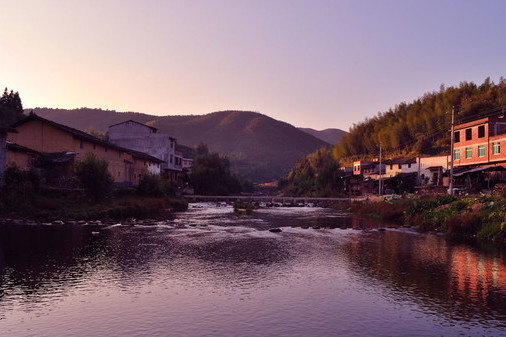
[152, 185]
[94, 175]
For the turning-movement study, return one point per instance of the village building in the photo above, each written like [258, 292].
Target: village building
[3, 146]
[429, 170]
[368, 168]
[397, 175]
[481, 142]
[147, 139]
[480, 153]
[20, 156]
[187, 164]
[63, 145]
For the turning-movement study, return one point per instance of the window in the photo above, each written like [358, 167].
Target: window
[81, 144]
[469, 152]
[496, 148]
[469, 134]
[481, 150]
[456, 135]
[456, 155]
[391, 166]
[481, 131]
[409, 165]
[400, 167]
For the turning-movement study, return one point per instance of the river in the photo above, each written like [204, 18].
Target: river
[209, 272]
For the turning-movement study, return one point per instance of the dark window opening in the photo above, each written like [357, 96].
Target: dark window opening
[481, 131]
[457, 136]
[469, 134]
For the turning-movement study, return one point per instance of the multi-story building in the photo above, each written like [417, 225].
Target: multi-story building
[480, 142]
[368, 168]
[147, 139]
[430, 168]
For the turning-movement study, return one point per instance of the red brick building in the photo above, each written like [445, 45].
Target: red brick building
[481, 142]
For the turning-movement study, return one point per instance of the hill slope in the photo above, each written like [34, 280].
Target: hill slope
[330, 136]
[421, 127]
[260, 148]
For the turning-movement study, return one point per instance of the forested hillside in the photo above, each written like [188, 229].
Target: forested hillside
[422, 126]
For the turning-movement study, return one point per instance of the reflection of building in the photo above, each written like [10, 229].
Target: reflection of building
[434, 269]
[473, 275]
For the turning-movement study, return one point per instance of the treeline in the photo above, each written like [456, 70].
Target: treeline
[421, 127]
[11, 108]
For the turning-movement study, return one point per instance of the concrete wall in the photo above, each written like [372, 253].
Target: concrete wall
[142, 138]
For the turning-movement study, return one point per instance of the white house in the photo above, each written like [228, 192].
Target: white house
[144, 138]
[428, 168]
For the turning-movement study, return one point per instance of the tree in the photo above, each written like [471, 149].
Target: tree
[11, 108]
[152, 185]
[94, 175]
[316, 175]
[211, 175]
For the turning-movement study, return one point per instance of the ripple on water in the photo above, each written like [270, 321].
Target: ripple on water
[227, 275]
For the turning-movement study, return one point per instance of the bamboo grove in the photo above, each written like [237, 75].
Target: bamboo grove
[421, 127]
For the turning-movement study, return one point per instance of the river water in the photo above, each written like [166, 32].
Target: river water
[209, 272]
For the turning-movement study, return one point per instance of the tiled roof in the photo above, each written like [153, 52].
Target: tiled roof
[20, 148]
[400, 160]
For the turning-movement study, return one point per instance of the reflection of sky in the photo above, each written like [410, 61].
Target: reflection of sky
[233, 277]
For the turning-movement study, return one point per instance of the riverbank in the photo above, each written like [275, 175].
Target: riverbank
[481, 217]
[75, 207]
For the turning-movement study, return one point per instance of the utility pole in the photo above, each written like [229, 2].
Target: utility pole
[452, 150]
[380, 192]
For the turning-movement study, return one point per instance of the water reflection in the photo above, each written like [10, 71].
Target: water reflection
[454, 280]
[209, 262]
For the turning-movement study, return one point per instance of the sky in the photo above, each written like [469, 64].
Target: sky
[311, 63]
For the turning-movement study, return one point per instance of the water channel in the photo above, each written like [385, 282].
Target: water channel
[209, 272]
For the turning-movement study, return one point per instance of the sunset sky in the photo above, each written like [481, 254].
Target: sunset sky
[320, 64]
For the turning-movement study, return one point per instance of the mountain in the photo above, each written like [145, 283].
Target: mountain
[330, 136]
[260, 148]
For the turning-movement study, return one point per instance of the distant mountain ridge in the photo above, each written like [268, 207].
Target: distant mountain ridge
[259, 147]
[331, 136]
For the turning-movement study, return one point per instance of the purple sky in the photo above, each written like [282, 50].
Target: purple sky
[319, 64]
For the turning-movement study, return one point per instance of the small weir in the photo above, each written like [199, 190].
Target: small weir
[271, 199]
